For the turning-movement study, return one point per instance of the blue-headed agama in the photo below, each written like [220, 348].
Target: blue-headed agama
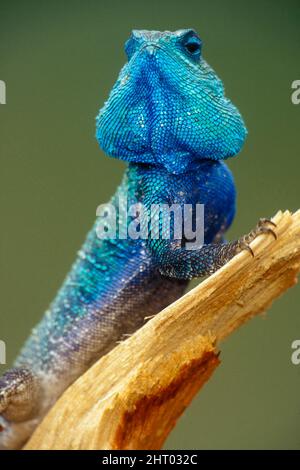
[167, 116]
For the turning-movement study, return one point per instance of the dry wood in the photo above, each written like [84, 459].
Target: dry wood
[132, 397]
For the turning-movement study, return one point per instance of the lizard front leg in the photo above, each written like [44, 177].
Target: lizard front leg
[181, 263]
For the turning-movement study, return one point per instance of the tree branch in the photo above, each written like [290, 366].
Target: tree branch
[132, 397]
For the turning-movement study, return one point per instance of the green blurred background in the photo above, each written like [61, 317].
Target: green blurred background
[59, 61]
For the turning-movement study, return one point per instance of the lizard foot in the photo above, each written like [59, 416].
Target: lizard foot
[19, 395]
[263, 226]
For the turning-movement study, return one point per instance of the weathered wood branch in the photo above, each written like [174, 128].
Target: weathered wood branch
[132, 397]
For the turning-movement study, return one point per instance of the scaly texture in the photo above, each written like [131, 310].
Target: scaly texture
[168, 117]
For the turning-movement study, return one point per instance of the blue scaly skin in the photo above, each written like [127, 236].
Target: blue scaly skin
[167, 116]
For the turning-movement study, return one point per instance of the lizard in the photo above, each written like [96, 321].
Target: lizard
[168, 118]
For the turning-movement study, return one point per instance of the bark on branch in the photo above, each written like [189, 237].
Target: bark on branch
[132, 397]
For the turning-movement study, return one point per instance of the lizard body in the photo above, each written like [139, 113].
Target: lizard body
[168, 117]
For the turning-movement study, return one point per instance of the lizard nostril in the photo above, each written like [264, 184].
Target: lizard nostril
[150, 49]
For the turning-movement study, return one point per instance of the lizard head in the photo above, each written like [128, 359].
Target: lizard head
[168, 106]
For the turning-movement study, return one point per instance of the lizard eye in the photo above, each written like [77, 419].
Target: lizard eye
[193, 46]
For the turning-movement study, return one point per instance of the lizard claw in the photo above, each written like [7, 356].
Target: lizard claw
[243, 245]
[262, 227]
[266, 230]
[264, 220]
